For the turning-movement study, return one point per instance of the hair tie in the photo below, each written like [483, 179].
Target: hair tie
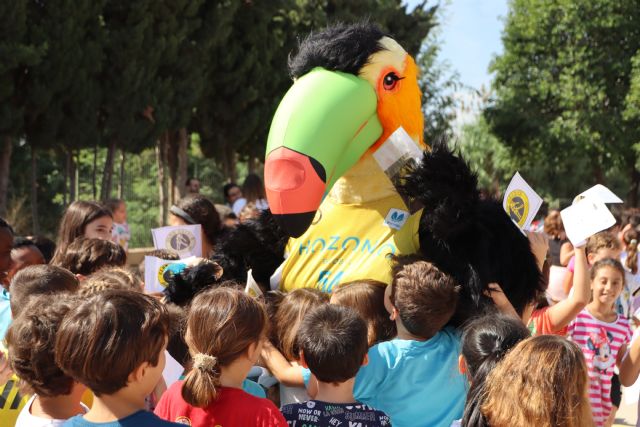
[633, 242]
[182, 214]
[205, 362]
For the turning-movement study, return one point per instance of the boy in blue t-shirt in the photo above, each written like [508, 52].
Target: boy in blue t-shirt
[114, 343]
[414, 378]
[333, 345]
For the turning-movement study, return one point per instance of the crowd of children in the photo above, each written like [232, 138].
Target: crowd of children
[83, 345]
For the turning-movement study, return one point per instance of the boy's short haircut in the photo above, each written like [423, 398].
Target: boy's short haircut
[602, 240]
[86, 256]
[424, 296]
[37, 280]
[334, 340]
[104, 339]
[31, 340]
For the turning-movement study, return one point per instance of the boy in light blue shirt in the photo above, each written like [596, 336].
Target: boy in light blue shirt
[414, 378]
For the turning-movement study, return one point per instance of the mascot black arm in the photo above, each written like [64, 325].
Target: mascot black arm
[256, 244]
[472, 239]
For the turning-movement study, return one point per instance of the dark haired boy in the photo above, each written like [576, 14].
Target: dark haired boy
[333, 345]
[24, 254]
[414, 378]
[31, 342]
[114, 344]
[37, 280]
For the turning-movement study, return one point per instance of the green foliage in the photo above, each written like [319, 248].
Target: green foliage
[438, 84]
[491, 159]
[77, 77]
[561, 86]
[62, 91]
[16, 54]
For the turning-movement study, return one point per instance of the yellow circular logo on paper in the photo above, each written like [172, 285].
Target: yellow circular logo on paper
[163, 275]
[518, 206]
[181, 240]
[183, 420]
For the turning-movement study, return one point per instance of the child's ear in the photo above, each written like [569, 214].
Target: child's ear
[138, 373]
[462, 365]
[394, 313]
[365, 361]
[301, 360]
[253, 351]
[590, 258]
[80, 277]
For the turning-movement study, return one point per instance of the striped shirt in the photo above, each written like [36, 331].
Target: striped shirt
[600, 343]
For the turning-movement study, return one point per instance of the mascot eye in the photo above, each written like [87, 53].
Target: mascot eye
[390, 81]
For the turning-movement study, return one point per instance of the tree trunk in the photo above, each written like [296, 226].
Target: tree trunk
[107, 173]
[632, 197]
[251, 163]
[75, 171]
[171, 151]
[121, 177]
[35, 225]
[161, 160]
[5, 164]
[94, 183]
[67, 178]
[72, 176]
[229, 163]
[183, 163]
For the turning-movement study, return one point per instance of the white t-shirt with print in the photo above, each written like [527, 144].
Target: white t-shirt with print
[25, 419]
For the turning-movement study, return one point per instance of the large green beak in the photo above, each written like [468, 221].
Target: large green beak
[322, 127]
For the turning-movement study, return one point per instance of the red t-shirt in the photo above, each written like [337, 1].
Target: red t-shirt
[233, 407]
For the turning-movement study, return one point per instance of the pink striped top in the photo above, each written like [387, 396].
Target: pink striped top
[600, 343]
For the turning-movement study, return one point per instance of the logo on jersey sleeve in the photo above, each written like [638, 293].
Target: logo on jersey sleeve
[396, 218]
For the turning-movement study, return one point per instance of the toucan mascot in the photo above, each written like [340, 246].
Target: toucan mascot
[351, 183]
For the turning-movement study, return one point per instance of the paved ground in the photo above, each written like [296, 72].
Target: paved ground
[626, 415]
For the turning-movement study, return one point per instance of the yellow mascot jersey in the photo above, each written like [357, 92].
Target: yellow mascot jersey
[348, 242]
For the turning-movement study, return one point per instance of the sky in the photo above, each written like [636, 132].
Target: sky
[470, 33]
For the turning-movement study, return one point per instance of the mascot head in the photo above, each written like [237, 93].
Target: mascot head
[353, 87]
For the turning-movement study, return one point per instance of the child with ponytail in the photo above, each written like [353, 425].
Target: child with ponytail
[485, 341]
[225, 332]
[630, 299]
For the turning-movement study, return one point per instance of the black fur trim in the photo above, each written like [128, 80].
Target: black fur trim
[182, 287]
[474, 240]
[258, 245]
[340, 47]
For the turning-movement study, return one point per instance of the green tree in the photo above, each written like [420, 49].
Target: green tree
[561, 85]
[16, 54]
[61, 91]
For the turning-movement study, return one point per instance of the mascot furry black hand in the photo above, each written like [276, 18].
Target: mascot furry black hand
[350, 182]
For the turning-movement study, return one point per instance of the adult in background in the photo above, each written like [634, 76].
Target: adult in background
[231, 192]
[253, 192]
[197, 209]
[193, 185]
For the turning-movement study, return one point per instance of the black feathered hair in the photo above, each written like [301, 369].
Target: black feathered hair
[257, 244]
[340, 47]
[183, 287]
[472, 239]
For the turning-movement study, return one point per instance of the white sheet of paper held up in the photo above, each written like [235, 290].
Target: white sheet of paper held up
[186, 240]
[585, 218]
[520, 202]
[602, 193]
[172, 370]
